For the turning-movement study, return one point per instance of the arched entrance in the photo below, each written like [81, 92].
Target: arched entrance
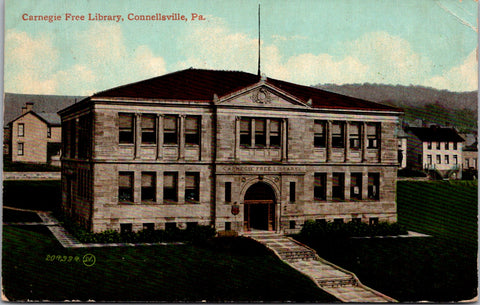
[259, 207]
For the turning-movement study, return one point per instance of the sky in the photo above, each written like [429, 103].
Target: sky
[430, 43]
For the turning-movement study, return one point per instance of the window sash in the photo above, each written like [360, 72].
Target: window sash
[192, 131]
[319, 186]
[170, 128]
[125, 122]
[21, 129]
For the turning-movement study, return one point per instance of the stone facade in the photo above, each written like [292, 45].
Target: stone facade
[258, 157]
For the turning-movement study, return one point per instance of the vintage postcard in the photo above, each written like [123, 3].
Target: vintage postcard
[240, 151]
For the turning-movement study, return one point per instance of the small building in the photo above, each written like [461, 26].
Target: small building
[32, 127]
[435, 150]
[35, 137]
[470, 161]
[228, 149]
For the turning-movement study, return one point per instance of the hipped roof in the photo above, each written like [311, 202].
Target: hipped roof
[202, 85]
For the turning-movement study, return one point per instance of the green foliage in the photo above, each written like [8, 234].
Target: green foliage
[333, 230]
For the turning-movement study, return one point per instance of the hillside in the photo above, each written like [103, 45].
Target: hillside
[459, 109]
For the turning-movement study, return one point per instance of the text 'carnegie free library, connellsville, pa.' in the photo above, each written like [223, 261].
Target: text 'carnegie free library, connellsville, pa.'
[69, 17]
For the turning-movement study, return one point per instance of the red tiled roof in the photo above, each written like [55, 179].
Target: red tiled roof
[201, 85]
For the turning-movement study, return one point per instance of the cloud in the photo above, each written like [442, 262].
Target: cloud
[29, 63]
[100, 59]
[214, 46]
[463, 77]
[390, 59]
[375, 57]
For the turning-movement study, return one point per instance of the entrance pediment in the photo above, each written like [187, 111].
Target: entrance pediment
[261, 95]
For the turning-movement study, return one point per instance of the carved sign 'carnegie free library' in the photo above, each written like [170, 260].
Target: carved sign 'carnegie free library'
[260, 169]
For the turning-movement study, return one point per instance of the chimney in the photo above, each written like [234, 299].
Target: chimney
[28, 107]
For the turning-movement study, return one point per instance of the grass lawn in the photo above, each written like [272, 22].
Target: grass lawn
[442, 268]
[157, 273]
[34, 195]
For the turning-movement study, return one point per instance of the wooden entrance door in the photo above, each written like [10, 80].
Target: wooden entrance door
[259, 208]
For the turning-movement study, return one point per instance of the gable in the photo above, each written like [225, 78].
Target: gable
[263, 96]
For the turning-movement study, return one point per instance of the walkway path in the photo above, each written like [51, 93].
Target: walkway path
[342, 284]
[68, 241]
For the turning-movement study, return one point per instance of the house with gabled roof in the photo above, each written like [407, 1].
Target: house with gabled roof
[229, 149]
[435, 149]
[33, 137]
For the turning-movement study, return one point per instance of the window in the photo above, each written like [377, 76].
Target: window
[191, 187]
[228, 226]
[148, 186]
[149, 130]
[454, 145]
[292, 192]
[170, 186]
[21, 129]
[429, 145]
[192, 225]
[274, 133]
[356, 186]
[319, 186]
[373, 132]
[292, 224]
[170, 226]
[356, 220]
[192, 131]
[373, 221]
[170, 134]
[125, 228]
[467, 162]
[148, 226]
[439, 145]
[228, 191]
[455, 159]
[439, 159]
[447, 145]
[354, 135]
[125, 187]
[245, 134]
[429, 159]
[338, 191]
[319, 134]
[84, 136]
[20, 149]
[125, 128]
[447, 159]
[337, 135]
[260, 135]
[373, 186]
[49, 132]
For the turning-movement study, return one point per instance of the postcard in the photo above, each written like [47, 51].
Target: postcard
[240, 151]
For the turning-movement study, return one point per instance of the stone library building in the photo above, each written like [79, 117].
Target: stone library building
[233, 150]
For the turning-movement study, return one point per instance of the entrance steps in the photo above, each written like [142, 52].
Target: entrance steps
[342, 284]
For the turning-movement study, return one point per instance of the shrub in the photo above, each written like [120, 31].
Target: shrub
[195, 235]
